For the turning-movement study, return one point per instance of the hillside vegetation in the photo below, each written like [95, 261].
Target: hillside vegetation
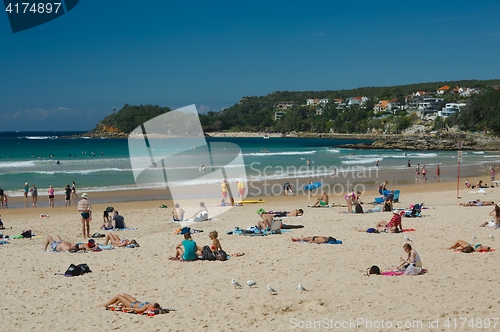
[256, 113]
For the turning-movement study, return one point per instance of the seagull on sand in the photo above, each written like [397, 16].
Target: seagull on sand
[491, 236]
[407, 238]
[272, 290]
[474, 237]
[235, 283]
[251, 283]
[302, 288]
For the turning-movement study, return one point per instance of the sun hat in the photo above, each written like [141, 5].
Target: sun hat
[185, 230]
[261, 210]
[84, 195]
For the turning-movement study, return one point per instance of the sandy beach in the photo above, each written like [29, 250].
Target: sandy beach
[457, 285]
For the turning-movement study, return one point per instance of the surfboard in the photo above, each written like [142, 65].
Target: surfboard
[248, 202]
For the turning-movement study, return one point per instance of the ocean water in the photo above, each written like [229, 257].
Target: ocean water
[105, 164]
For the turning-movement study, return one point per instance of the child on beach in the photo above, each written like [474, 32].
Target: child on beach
[215, 241]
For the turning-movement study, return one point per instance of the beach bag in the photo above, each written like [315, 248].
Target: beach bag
[207, 254]
[77, 270]
[387, 207]
[220, 255]
[359, 208]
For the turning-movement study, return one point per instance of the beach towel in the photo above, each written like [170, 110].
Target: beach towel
[408, 230]
[398, 273]
[124, 229]
[482, 251]
[198, 259]
[329, 242]
[151, 312]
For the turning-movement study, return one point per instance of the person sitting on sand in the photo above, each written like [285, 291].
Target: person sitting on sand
[413, 258]
[495, 223]
[394, 225]
[106, 221]
[322, 200]
[189, 253]
[118, 221]
[117, 242]
[316, 239]
[178, 213]
[131, 303]
[477, 202]
[466, 247]
[57, 244]
[215, 241]
[267, 219]
[201, 214]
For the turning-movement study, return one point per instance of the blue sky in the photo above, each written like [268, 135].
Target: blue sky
[71, 72]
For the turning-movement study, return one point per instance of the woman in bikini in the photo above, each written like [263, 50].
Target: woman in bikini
[117, 242]
[352, 198]
[131, 303]
[465, 246]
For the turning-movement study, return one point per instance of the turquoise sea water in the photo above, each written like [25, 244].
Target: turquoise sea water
[104, 164]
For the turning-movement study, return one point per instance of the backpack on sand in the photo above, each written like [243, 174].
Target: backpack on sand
[207, 254]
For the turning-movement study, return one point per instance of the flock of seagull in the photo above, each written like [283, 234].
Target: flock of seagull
[271, 290]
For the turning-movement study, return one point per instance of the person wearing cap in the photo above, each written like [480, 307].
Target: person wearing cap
[190, 247]
[224, 190]
[267, 219]
[26, 188]
[85, 210]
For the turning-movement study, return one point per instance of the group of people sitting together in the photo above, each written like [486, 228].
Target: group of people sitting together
[112, 223]
[200, 215]
[188, 250]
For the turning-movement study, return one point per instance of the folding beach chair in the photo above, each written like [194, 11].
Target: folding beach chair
[415, 212]
[396, 196]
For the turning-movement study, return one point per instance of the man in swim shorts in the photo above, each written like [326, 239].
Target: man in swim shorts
[322, 200]
[85, 210]
[57, 244]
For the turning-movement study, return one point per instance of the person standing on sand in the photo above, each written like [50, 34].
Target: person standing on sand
[224, 191]
[424, 173]
[492, 174]
[241, 189]
[34, 194]
[67, 191]
[26, 189]
[417, 172]
[1, 197]
[85, 210]
[438, 173]
[50, 192]
[73, 190]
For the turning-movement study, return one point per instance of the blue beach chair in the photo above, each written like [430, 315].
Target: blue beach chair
[396, 195]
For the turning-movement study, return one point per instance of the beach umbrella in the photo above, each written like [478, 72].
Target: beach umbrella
[312, 186]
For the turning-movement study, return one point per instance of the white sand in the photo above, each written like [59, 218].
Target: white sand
[457, 285]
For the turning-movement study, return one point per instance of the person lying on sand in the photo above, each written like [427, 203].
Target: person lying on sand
[57, 244]
[316, 239]
[466, 247]
[477, 202]
[131, 303]
[117, 242]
